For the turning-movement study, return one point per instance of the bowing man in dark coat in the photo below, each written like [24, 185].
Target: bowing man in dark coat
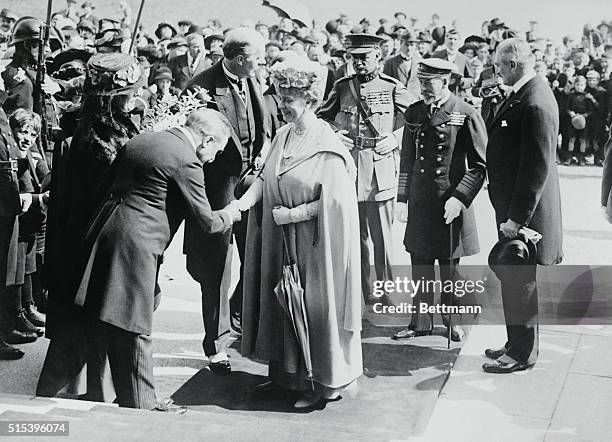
[156, 183]
[524, 191]
[442, 169]
[236, 93]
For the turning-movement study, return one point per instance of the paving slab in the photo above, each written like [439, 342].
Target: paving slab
[456, 419]
[593, 357]
[532, 393]
[584, 410]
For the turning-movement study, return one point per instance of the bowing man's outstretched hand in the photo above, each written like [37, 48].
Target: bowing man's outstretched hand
[233, 210]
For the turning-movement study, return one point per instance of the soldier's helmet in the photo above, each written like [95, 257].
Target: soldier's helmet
[26, 28]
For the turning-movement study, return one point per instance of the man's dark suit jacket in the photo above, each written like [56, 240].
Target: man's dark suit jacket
[222, 175]
[156, 183]
[521, 165]
[394, 68]
[180, 70]
[460, 60]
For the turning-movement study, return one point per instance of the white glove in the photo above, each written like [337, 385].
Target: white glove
[303, 212]
[26, 202]
[401, 211]
[386, 145]
[452, 209]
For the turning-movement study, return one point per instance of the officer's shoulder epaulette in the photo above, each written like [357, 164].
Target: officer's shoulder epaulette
[390, 79]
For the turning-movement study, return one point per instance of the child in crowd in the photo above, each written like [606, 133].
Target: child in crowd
[580, 106]
[34, 177]
[597, 133]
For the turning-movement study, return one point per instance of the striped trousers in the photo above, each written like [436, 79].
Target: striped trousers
[131, 362]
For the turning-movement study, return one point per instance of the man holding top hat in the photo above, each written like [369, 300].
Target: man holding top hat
[442, 169]
[524, 191]
[362, 108]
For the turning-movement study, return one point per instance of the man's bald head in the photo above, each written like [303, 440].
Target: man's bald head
[514, 60]
[243, 49]
[517, 50]
[240, 39]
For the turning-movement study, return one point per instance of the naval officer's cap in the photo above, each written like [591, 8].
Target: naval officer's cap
[435, 67]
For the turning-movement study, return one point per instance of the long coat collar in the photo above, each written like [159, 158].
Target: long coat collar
[514, 101]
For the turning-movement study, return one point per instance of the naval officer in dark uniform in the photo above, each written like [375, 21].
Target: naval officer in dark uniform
[442, 169]
[363, 108]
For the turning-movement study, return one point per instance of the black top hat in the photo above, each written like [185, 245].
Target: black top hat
[512, 251]
[496, 24]
[162, 25]
[474, 39]
[439, 35]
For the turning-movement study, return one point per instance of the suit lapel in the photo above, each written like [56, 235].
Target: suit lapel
[225, 103]
[512, 102]
[403, 73]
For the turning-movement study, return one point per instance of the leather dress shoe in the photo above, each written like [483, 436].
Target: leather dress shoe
[34, 316]
[222, 368]
[409, 333]
[492, 353]
[503, 366]
[457, 333]
[167, 406]
[23, 324]
[309, 399]
[19, 337]
[8, 352]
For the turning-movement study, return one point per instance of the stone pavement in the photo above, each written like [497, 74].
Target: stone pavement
[405, 393]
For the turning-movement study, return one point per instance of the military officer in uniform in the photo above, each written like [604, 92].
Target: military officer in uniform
[442, 169]
[363, 108]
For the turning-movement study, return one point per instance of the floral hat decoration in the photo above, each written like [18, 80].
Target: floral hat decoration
[114, 74]
[298, 75]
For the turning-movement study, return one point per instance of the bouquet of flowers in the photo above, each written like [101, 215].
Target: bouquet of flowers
[172, 111]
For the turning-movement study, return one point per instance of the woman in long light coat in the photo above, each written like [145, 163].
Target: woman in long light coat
[308, 203]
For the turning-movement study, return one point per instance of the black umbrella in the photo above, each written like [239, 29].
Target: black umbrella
[290, 295]
[292, 9]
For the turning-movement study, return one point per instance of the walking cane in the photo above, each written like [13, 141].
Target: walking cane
[450, 313]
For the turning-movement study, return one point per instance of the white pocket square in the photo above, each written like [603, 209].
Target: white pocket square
[504, 123]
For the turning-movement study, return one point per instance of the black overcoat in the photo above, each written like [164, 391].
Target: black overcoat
[157, 182]
[521, 165]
